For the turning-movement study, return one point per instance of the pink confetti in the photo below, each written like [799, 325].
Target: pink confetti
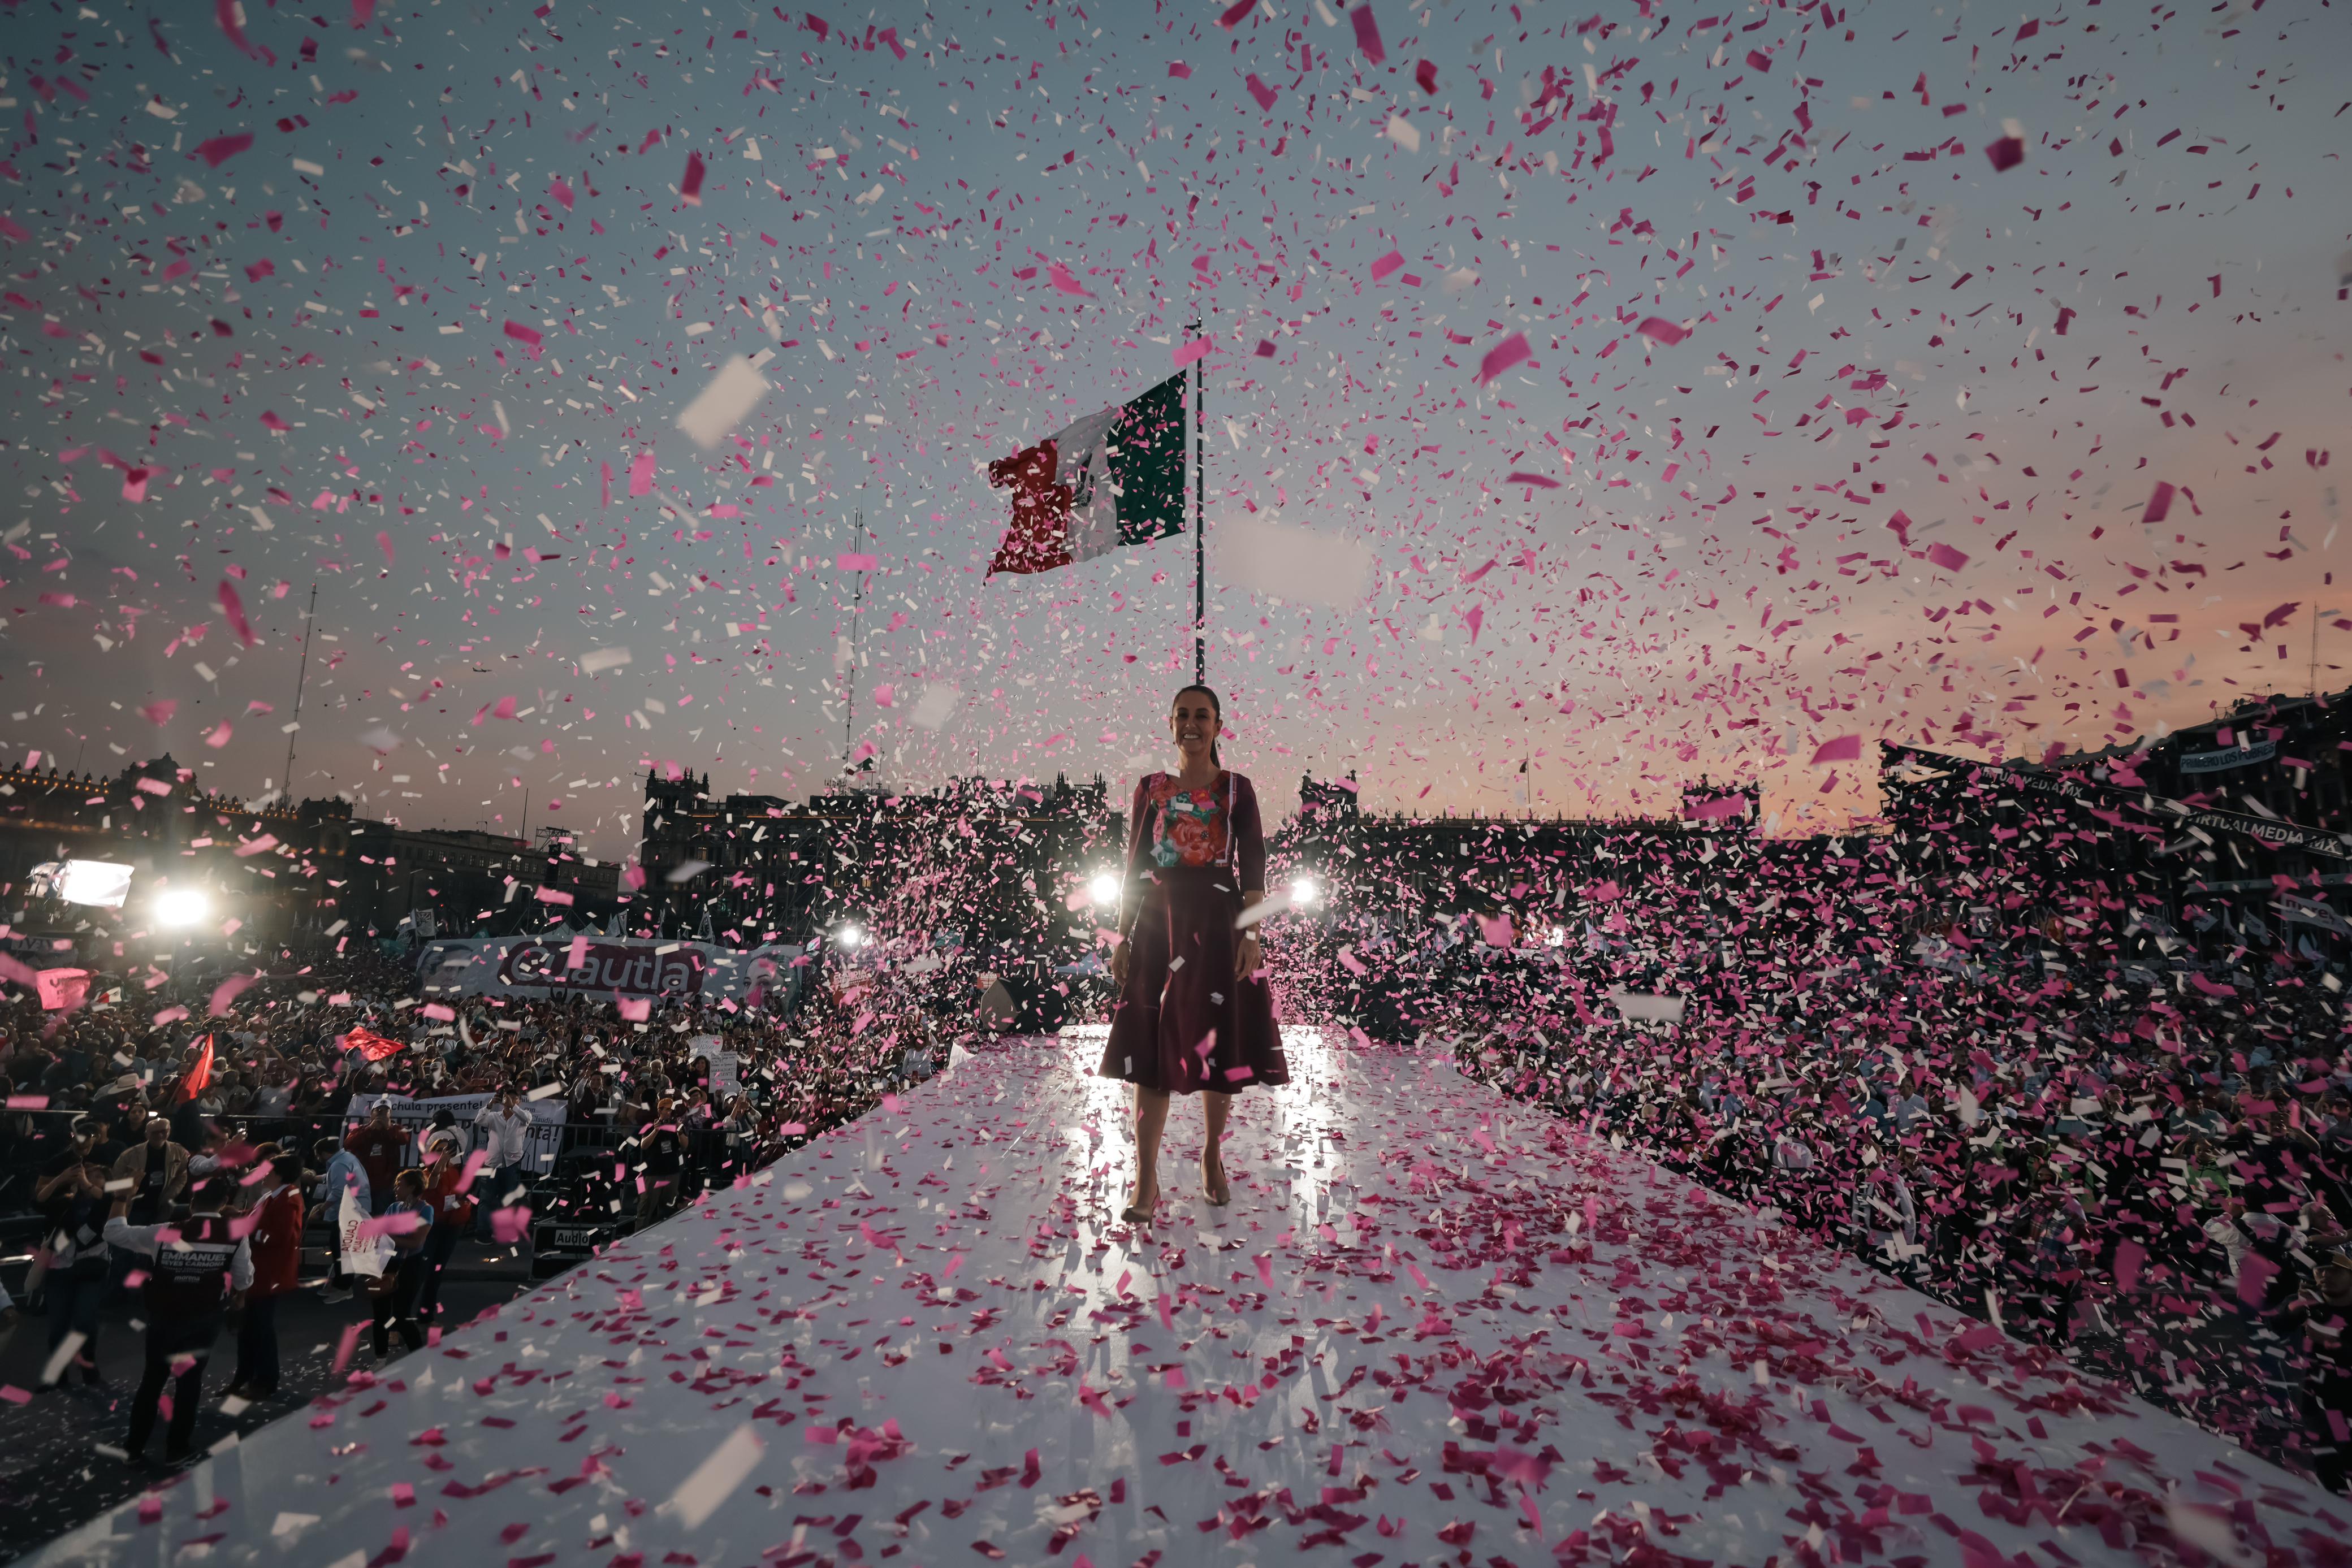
[233, 610]
[1511, 351]
[219, 150]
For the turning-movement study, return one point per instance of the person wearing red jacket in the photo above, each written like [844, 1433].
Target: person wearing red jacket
[453, 1214]
[275, 1241]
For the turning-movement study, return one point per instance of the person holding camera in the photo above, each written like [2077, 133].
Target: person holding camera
[71, 1194]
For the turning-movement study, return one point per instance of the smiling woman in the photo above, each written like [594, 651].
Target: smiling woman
[1194, 1013]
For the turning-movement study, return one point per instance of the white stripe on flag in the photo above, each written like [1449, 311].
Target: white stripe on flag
[1082, 455]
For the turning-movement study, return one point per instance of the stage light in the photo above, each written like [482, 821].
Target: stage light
[1303, 893]
[849, 936]
[103, 884]
[180, 906]
[1557, 937]
[1104, 888]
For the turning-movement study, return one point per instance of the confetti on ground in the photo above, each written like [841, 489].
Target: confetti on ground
[1499, 1333]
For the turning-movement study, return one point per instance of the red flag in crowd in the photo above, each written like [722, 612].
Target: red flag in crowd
[199, 1075]
[373, 1045]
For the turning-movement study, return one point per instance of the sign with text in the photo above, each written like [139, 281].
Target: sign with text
[540, 1143]
[609, 965]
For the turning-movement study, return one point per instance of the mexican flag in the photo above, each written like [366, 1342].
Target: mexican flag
[1116, 478]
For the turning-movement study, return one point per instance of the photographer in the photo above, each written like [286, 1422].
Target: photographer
[72, 1196]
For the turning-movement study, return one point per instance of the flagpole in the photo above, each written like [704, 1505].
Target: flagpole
[1200, 514]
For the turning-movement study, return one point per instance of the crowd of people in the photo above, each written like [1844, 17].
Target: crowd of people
[2143, 1160]
[141, 1137]
[2144, 1166]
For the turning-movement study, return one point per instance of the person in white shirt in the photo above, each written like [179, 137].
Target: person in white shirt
[1886, 1212]
[499, 1130]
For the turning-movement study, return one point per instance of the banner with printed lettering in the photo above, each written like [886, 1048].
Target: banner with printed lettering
[540, 1143]
[361, 1253]
[2228, 758]
[629, 966]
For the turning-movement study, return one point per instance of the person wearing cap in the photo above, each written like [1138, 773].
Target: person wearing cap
[157, 1168]
[189, 1287]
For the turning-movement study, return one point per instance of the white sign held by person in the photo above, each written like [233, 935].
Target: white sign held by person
[361, 1254]
[726, 1068]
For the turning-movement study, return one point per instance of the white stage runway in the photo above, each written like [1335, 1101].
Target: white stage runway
[1432, 1327]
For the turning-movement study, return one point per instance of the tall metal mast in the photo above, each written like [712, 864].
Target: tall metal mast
[301, 679]
[849, 677]
[1200, 516]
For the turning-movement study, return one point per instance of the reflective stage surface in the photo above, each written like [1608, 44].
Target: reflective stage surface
[1431, 1326]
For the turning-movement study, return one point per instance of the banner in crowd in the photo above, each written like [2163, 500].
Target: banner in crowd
[2312, 911]
[2229, 757]
[63, 990]
[542, 1142]
[538, 966]
[2263, 830]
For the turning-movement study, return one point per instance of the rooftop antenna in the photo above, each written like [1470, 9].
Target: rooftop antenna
[301, 679]
[2315, 650]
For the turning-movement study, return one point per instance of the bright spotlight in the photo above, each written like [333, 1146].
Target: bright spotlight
[1557, 937]
[180, 906]
[1104, 888]
[849, 936]
[1303, 893]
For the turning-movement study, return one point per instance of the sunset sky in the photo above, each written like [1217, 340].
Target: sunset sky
[1841, 413]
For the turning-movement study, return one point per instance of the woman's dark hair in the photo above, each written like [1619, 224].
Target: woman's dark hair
[1217, 706]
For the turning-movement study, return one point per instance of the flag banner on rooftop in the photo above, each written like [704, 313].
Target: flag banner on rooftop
[1113, 479]
[2263, 830]
[2228, 758]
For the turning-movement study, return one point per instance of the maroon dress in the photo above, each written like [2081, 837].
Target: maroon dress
[1183, 1022]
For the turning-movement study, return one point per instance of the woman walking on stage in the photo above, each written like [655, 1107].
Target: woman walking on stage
[1193, 1013]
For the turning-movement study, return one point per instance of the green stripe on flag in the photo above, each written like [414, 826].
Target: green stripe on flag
[1148, 464]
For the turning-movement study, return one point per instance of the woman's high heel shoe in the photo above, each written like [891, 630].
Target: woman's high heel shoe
[1220, 1194]
[1140, 1214]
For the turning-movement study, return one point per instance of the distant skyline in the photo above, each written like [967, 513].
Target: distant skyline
[1704, 394]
